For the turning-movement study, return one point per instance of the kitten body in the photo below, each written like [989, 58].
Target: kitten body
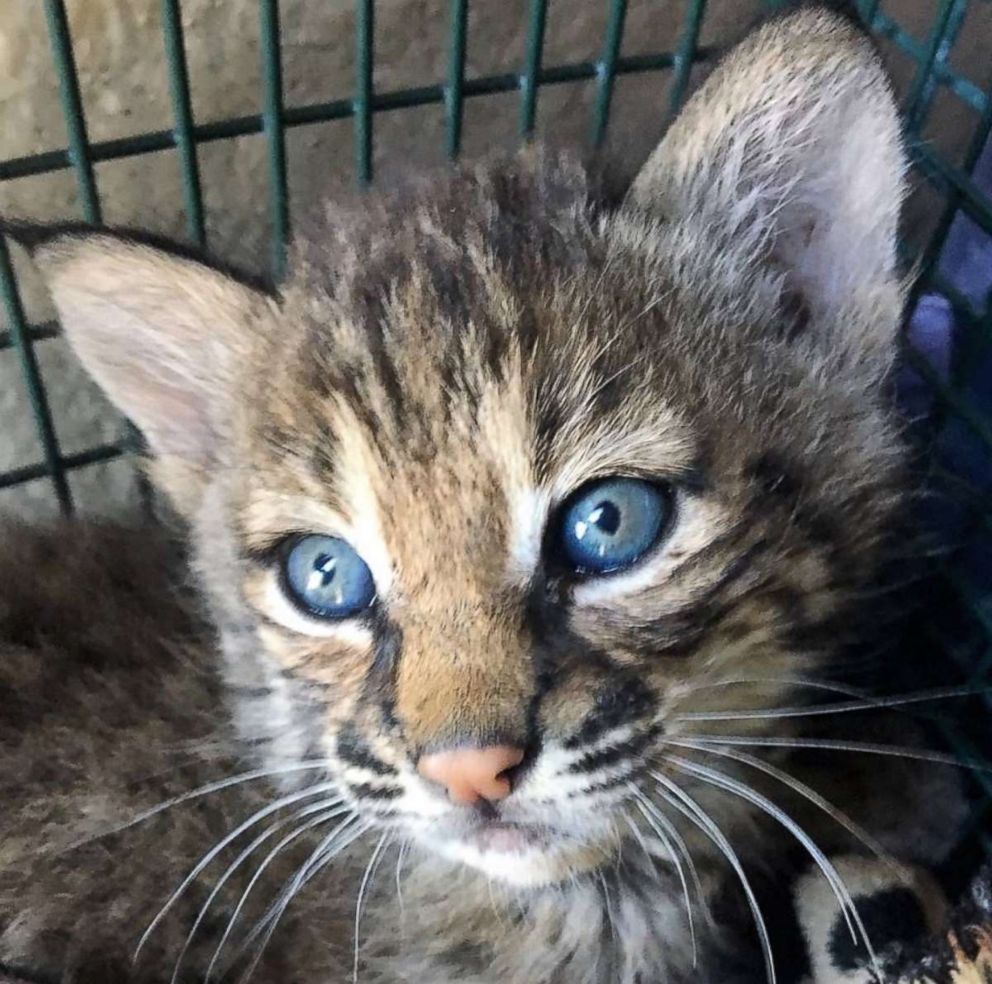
[442, 372]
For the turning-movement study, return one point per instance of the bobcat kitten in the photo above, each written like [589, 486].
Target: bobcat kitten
[514, 511]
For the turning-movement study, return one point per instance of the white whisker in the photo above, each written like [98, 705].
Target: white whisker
[322, 855]
[806, 682]
[293, 883]
[680, 843]
[231, 868]
[848, 909]
[643, 844]
[608, 906]
[692, 811]
[843, 745]
[400, 857]
[213, 787]
[491, 890]
[807, 792]
[362, 888]
[680, 871]
[273, 807]
[868, 704]
[329, 814]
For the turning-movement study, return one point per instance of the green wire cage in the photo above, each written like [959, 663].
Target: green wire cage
[950, 202]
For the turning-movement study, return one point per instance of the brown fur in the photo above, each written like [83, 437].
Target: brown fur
[442, 368]
[110, 707]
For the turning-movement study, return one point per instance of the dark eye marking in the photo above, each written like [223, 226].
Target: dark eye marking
[600, 786]
[354, 750]
[604, 758]
[363, 790]
[774, 475]
[618, 704]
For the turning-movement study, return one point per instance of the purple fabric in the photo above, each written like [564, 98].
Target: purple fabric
[965, 364]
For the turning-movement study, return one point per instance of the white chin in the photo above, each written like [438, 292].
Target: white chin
[516, 860]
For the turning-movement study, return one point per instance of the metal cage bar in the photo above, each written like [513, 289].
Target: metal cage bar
[869, 11]
[79, 155]
[53, 465]
[606, 70]
[273, 128]
[963, 409]
[688, 43]
[979, 139]
[68, 462]
[144, 143]
[965, 90]
[948, 179]
[35, 333]
[182, 110]
[362, 105]
[947, 24]
[529, 79]
[454, 91]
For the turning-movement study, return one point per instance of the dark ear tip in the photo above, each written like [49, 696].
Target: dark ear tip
[34, 235]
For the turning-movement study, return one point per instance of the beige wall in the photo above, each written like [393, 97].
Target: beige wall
[123, 78]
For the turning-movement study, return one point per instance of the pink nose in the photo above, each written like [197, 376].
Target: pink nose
[470, 774]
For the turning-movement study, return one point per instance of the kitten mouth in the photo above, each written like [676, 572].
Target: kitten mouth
[524, 854]
[500, 837]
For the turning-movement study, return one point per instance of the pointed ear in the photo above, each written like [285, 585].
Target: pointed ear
[164, 336]
[791, 152]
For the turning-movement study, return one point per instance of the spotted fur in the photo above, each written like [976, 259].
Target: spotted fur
[920, 938]
[444, 364]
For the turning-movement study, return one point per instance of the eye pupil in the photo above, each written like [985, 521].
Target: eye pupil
[323, 572]
[610, 524]
[606, 517]
[325, 576]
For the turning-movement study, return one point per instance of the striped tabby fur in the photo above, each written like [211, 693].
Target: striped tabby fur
[444, 364]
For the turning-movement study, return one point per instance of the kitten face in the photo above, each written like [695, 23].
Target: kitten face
[439, 427]
[447, 369]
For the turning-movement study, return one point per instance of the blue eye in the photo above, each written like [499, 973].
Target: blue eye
[327, 578]
[610, 524]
